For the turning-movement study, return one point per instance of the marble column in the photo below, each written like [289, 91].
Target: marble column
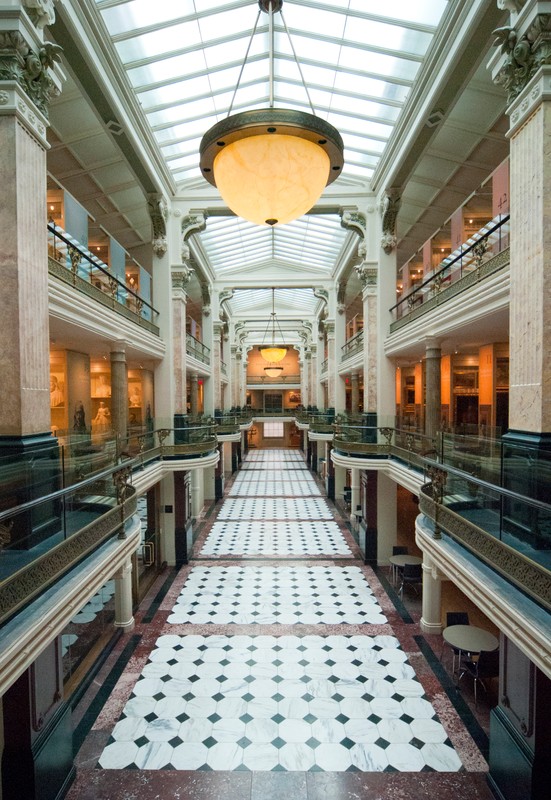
[215, 364]
[332, 375]
[119, 391]
[431, 615]
[194, 394]
[355, 393]
[433, 405]
[24, 359]
[386, 517]
[124, 617]
[370, 338]
[307, 369]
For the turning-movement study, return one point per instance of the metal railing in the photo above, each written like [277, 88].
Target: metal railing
[259, 380]
[197, 349]
[484, 245]
[74, 264]
[353, 345]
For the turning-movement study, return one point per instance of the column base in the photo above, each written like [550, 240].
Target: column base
[125, 626]
[430, 627]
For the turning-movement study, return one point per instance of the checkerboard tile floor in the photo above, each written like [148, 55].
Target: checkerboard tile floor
[320, 537]
[295, 701]
[285, 595]
[275, 508]
[276, 488]
[338, 703]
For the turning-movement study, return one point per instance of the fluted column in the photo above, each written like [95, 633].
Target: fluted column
[119, 390]
[124, 617]
[433, 402]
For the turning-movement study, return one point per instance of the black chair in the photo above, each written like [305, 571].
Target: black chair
[412, 575]
[398, 550]
[454, 618]
[484, 668]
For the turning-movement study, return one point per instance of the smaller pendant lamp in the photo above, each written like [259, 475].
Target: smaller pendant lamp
[272, 352]
[271, 165]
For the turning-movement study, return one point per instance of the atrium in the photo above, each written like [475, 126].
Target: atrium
[275, 495]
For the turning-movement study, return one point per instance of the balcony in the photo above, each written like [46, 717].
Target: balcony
[264, 380]
[197, 349]
[353, 346]
[62, 502]
[73, 264]
[484, 254]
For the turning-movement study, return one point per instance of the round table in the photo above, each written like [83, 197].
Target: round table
[469, 638]
[400, 561]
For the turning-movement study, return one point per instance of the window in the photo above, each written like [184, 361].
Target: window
[273, 430]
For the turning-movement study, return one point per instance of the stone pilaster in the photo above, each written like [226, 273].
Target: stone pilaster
[24, 100]
[332, 375]
[216, 358]
[368, 278]
[354, 392]
[180, 279]
[194, 394]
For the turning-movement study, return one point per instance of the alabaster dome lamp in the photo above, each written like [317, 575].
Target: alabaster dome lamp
[271, 352]
[271, 165]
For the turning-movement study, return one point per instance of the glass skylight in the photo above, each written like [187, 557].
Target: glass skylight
[359, 60]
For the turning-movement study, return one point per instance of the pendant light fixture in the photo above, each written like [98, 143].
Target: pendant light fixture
[271, 352]
[271, 165]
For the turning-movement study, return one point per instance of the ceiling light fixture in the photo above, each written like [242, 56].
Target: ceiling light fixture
[271, 352]
[271, 165]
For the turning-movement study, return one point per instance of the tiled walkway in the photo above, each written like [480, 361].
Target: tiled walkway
[285, 655]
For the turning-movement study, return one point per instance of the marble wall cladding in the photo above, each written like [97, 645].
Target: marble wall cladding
[530, 305]
[370, 352]
[24, 361]
[179, 345]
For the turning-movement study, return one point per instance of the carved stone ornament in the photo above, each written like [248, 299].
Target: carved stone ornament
[388, 242]
[322, 294]
[522, 55]
[181, 277]
[514, 6]
[367, 275]
[193, 223]
[389, 211]
[30, 69]
[41, 12]
[158, 212]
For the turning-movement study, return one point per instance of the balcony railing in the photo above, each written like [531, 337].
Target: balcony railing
[56, 494]
[223, 368]
[507, 530]
[197, 349]
[265, 380]
[324, 365]
[75, 265]
[482, 254]
[352, 346]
